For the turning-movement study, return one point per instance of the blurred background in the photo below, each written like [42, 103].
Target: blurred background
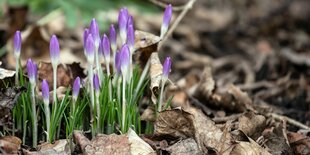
[261, 46]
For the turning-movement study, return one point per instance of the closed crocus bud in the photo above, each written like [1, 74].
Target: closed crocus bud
[54, 50]
[129, 21]
[124, 58]
[113, 37]
[105, 47]
[31, 71]
[122, 23]
[45, 91]
[17, 44]
[90, 49]
[166, 67]
[166, 20]
[76, 88]
[94, 30]
[85, 35]
[117, 62]
[96, 83]
[130, 37]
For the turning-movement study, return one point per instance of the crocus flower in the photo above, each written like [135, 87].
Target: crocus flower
[32, 71]
[113, 37]
[45, 91]
[130, 37]
[85, 35]
[166, 20]
[122, 23]
[90, 49]
[117, 62]
[166, 67]
[105, 46]
[54, 50]
[96, 83]
[125, 58]
[17, 44]
[94, 30]
[76, 87]
[129, 20]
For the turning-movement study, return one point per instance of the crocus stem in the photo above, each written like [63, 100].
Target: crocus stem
[34, 117]
[98, 111]
[24, 119]
[90, 77]
[163, 81]
[142, 77]
[55, 84]
[48, 119]
[16, 71]
[124, 104]
[110, 82]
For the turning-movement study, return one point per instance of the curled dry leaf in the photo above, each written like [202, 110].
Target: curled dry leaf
[8, 99]
[187, 146]
[246, 148]
[156, 70]
[252, 124]
[129, 144]
[6, 73]
[10, 145]
[145, 44]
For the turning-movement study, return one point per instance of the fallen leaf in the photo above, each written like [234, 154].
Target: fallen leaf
[138, 146]
[187, 146]
[252, 124]
[156, 70]
[10, 145]
[299, 143]
[6, 73]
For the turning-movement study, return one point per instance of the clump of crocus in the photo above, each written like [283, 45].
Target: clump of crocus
[54, 53]
[97, 93]
[166, 70]
[45, 95]
[32, 75]
[90, 55]
[166, 21]
[122, 24]
[17, 49]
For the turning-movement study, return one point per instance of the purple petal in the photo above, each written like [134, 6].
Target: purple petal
[86, 32]
[106, 46]
[122, 22]
[129, 21]
[130, 36]
[76, 87]
[125, 56]
[166, 67]
[167, 15]
[118, 62]
[31, 71]
[94, 30]
[54, 49]
[90, 48]
[45, 90]
[96, 82]
[112, 35]
[17, 42]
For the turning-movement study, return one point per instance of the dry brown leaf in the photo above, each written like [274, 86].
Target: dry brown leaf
[148, 114]
[207, 84]
[10, 144]
[246, 148]
[187, 146]
[252, 124]
[156, 70]
[138, 146]
[299, 143]
[58, 147]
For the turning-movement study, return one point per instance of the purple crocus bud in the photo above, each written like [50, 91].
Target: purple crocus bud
[86, 32]
[94, 30]
[96, 83]
[90, 49]
[54, 50]
[122, 23]
[117, 62]
[17, 44]
[129, 21]
[31, 71]
[76, 88]
[166, 67]
[125, 58]
[113, 37]
[105, 43]
[45, 91]
[166, 20]
[130, 37]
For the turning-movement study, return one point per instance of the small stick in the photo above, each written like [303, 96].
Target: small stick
[289, 120]
[163, 5]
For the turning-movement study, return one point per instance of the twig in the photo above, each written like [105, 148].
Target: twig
[163, 5]
[289, 120]
[187, 6]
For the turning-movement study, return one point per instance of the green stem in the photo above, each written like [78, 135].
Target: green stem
[24, 119]
[98, 111]
[90, 77]
[110, 82]
[142, 77]
[16, 71]
[55, 84]
[34, 117]
[124, 103]
[163, 81]
[48, 119]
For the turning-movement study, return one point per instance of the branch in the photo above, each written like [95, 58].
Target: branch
[163, 5]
